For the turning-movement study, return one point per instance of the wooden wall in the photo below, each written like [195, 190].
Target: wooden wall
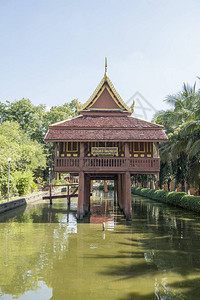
[136, 149]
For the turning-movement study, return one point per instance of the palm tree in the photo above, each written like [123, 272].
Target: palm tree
[182, 124]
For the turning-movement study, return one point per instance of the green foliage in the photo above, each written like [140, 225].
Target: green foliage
[24, 182]
[21, 183]
[173, 198]
[35, 120]
[182, 124]
[110, 187]
[191, 202]
[4, 186]
[22, 132]
[24, 153]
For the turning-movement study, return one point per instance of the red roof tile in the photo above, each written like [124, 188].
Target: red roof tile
[105, 122]
[105, 134]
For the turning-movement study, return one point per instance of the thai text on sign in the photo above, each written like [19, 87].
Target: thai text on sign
[105, 151]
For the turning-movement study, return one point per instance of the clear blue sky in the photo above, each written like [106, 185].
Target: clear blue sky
[53, 51]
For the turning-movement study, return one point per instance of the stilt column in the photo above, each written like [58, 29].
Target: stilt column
[80, 210]
[119, 190]
[128, 202]
[87, 194]
[123, 193]
[105, 186]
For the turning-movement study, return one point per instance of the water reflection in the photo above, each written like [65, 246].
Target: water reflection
[46, 254]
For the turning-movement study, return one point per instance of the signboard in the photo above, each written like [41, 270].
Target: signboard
[104, 151]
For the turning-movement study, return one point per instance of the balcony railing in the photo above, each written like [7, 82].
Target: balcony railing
[100, 164]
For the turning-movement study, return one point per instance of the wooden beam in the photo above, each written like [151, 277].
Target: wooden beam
[59, 196]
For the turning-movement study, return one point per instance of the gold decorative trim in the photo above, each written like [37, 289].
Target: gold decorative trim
[104, 80]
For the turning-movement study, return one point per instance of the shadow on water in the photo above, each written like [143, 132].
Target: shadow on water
[169, 239]
[156, 256]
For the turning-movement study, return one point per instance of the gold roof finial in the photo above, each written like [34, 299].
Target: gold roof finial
[106, 66]
[132, 106]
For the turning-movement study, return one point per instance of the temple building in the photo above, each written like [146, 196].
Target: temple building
[106, 142]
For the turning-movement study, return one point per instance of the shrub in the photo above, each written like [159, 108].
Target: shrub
[190, 202]
[4, 187]
[180, 199]
[175, 198]
[24, 182]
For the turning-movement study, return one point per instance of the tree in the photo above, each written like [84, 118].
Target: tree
[182, 126]
[25, 154]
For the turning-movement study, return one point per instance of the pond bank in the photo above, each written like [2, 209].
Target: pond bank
[22, 201]
[179, 199]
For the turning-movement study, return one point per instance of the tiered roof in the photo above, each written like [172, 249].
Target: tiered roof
[105, 117]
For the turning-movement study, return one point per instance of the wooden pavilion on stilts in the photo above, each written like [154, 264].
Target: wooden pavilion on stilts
[106, 142]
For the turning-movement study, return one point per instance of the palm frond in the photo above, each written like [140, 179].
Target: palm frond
[195, 149]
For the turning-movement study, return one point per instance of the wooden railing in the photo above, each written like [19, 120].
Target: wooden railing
[108, 164]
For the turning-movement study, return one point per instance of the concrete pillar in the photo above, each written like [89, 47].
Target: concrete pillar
[80, 210]
[105, 186]
[128, 202]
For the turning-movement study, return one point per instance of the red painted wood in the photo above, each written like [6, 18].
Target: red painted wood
[99, 164]
[80, 210]
[128, 202]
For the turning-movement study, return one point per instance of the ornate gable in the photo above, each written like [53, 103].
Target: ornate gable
[105, 98]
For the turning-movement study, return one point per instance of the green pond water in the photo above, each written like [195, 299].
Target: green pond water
[46, 254]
